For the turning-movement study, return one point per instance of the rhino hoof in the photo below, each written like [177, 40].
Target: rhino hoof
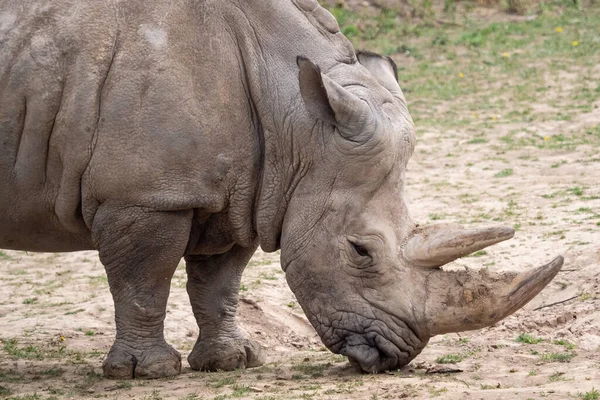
[157, 362]
[226, 354]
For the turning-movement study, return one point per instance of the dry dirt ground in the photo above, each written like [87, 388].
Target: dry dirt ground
[538, 173]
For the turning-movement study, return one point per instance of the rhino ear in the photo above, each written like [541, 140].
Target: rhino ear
[329, 102]
[382, 68]
[313, 91]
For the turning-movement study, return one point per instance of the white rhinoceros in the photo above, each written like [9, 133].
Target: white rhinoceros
[156, 130]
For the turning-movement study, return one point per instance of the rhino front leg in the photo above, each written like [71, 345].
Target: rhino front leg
[213, 286]
[140, 249]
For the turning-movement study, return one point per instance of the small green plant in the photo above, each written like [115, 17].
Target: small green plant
[240, 390]
[557, 376]
[479, 253]
[528, 339]
[124, 385]
[450, 359]
[219, 383]
[435, 392]
[577, 191]
[488, 387]
[504, 173]
[561, 342]
[477, 141]
[4, 391]
[312, 370]
[591, 395]
[558, 357]
[12, 348]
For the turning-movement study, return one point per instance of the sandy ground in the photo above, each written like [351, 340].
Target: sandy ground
[56, 313]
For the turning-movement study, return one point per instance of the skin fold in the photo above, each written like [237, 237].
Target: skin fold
[156, 131]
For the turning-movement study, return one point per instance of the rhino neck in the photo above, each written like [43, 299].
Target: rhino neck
[270, 36]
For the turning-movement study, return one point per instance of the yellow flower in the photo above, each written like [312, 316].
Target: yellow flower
[575, 43]
[559, 29]
[62, 338]
[506, 55]
[494, 117]
[461, 75]
[546, 138]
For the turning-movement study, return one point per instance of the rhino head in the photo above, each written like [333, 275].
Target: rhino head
[366, 275]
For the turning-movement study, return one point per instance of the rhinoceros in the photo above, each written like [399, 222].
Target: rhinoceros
[202, 129]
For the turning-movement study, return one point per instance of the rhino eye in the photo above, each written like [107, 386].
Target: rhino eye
[360, 250]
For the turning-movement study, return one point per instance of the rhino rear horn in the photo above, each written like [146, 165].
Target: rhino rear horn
[436, 245]
[329, 102]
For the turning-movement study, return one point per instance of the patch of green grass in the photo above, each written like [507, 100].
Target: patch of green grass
[450, 359]
[558, 357]
[256, 263]
[477, 141]
[99, 280]
[4, 391]
[561, 342]
[591, 395]
[504, 173]
[155, 395]
[12, 348]
[310, 369]
[75, 311]
[435, 392]
[479, 253]
[436, 217]
[240, 390]
[192, 396]
[124, 385]
[11, 376]
[5, 256]
[576, 191]
[53, 372]
[219, 383]
[31, 300]
[557, 376]
[528, 339]
[271, 276]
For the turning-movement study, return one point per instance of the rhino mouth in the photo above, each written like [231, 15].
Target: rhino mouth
[372, 353]
[377, 347]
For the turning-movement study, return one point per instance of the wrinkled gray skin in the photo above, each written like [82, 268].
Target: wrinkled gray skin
[153, 131]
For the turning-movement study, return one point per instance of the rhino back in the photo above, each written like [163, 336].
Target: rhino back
[132, 102]
[52, 62]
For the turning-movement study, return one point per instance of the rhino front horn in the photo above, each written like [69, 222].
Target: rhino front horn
[435, 245]
[468, 300]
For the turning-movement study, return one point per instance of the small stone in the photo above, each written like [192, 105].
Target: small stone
[255, 389]
[589, 342]
[283, 375]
